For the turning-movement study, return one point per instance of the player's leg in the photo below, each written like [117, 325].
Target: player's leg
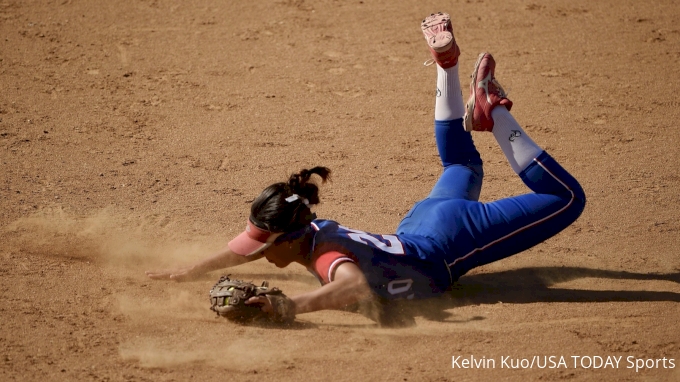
[482, 114]
[462, 176]
[493, 231]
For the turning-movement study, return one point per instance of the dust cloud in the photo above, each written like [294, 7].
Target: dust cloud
[109, 237]
[239, 354]
[180, 304]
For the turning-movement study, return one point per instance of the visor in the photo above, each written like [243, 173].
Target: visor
[250, 241]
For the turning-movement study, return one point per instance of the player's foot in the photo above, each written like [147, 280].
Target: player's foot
[439, 36]
[485, 94]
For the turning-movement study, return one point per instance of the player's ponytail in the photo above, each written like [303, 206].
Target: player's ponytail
[300, 183]
[285, 207]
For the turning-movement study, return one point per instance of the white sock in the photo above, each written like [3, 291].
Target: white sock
[449, 104]
[514, 141]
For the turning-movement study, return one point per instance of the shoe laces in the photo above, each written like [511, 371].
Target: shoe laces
[501, 92]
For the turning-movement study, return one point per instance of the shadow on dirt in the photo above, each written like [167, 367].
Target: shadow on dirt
[528, 285]
[522, 286]
[517, 286]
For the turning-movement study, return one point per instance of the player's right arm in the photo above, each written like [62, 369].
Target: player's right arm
[224, 258]
[348, 286]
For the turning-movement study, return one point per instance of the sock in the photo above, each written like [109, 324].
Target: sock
[518, 148]
[449, 104]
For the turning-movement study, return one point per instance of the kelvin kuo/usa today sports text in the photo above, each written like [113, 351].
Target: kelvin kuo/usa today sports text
[562, 362]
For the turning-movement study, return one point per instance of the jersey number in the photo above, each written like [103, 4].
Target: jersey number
[400, 286]
[391, 245]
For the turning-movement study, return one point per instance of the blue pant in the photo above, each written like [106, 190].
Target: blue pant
[469, 233]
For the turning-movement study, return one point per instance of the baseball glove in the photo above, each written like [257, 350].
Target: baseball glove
[228, 299]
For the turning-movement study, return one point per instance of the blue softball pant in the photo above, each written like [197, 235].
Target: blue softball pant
[469, 233]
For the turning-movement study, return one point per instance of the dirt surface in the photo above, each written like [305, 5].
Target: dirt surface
[134, 134]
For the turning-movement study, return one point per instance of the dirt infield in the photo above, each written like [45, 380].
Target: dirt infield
[134, 134]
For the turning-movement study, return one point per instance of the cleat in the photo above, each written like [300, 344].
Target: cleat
[485, 94]
[438, 33]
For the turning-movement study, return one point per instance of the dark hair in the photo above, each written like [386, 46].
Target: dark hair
[271, 210]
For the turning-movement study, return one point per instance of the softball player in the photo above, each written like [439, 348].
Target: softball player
[444, 235]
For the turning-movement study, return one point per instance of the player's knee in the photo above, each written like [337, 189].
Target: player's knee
[578, 202]
[579, 196]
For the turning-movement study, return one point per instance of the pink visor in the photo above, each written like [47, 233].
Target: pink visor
[250, 241]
